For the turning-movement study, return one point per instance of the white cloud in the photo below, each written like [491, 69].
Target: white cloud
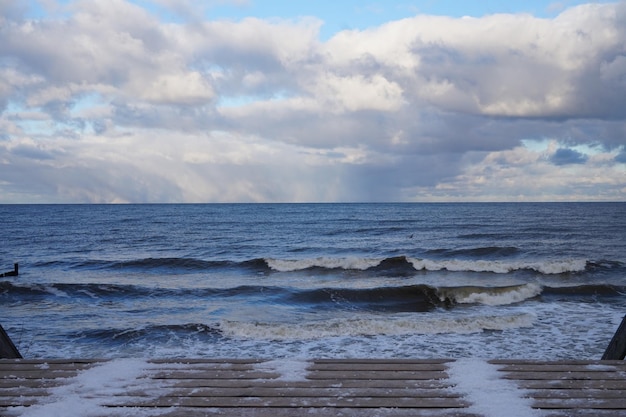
[525, 174]
[187, 88]
[357, 92]
[106, 102]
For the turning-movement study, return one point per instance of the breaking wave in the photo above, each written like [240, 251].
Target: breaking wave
[490, 296]
[373, 326]
[444, 260]
[408, 298]
[404, 264]
[385, 298]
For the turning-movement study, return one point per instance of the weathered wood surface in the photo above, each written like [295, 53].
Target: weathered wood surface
[335, 387]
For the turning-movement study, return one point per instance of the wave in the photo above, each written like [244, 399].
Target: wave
[404, 298]
[404, 265]
[309, 330]
[414, 298]
[417, 298]
[154, 331]
[372, 326]
[466, 260]
[172, 263]
[179, 265]
[411, 298]
[547, 267]
[490, 296]
[94, 291]
[354, 263]
[486, 251]
[98, 291]
[585, 290]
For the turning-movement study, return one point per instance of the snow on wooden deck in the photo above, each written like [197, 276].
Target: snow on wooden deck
[324, 387]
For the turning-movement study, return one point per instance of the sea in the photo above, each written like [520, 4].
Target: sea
[372, 280]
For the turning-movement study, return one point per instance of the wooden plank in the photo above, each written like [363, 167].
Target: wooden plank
[18, 401]
[258, 374]
[308, 392]
[313, 365]
[533, 367]
[269, 402]
[403, 375]
[320, 383]
[301, 411]
[30, 383]
[577, 393]
[52, 361]
[258, 402]
[575, 362]
[205, 367]
[590, 404]
[286, 412]
[367, 367]
[585, 413]
[24, 392]
[383, 361]
[572, 384]
[38, 374]
[198, 361]
[574, 375]
[7, 366]
[213, 374]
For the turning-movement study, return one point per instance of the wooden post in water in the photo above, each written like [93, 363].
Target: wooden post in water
[7, 348]
[14, 273]
[617, 346]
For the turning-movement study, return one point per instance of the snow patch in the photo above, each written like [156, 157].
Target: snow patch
[86, 394]
[489, 395]
[288, 369]
[601, 368]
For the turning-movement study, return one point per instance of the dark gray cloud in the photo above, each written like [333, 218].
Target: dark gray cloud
[565, 156]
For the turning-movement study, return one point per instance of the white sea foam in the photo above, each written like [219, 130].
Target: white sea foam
[489, 394]
[490, 296]
[373, 326]
[499, 267]
[561, 267]
[52, 290]
[324, 262]
[548, 267]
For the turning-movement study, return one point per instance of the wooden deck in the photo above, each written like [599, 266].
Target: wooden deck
[342, 387]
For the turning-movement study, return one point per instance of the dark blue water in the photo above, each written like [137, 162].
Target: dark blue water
[314, 280]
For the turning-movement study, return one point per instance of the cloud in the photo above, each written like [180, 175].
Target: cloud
[565, 156]
[110, 101]
[524, 174]
[12, 9]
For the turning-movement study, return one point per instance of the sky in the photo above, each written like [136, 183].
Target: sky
[181, 101]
